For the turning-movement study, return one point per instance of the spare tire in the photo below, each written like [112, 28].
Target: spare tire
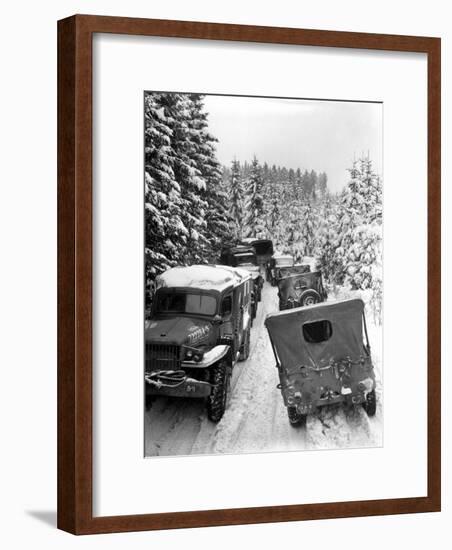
[309, 298]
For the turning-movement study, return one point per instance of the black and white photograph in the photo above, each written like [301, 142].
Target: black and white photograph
[263, 274]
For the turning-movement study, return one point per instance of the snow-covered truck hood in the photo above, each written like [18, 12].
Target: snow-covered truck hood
[178, 330]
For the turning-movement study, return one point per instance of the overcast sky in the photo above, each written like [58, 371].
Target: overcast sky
[320, 135]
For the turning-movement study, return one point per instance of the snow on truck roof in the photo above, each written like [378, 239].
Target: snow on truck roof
[206, 277]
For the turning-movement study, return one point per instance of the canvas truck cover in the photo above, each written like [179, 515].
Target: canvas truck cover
[346, 340]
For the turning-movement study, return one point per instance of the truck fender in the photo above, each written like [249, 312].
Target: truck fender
[210, 357]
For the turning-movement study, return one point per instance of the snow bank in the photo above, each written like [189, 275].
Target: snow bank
[207, 277]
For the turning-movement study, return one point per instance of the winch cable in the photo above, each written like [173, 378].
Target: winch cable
[167, 378]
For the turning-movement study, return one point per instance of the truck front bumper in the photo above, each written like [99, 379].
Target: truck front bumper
[186, 386]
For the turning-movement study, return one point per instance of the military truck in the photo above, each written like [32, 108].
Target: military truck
[244, 256]
[302, 289]
[322, 358]
[263, 248]
[199, 329]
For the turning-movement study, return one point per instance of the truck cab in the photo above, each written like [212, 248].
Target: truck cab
[199, 329]
[244, 257]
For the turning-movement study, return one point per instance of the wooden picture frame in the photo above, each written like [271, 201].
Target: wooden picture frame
[75, 225]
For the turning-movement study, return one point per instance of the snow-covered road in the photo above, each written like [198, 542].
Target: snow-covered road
[256, 419]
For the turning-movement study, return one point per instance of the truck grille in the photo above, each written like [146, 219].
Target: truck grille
[162, 357]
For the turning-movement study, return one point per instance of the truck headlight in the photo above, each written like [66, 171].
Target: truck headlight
[198, 356]
[188, 354]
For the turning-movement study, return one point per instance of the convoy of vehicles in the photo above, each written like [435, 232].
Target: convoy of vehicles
[302, 289]
[244, 256]
[321, 357]
[200, 327]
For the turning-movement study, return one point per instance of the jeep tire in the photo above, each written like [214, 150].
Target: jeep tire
[370, 404]
[296, 419]
[309, 298]
[219, 377]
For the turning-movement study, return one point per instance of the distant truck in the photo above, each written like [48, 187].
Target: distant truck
[322, 357]
[244, 256]
[199, 328]
[263, 248]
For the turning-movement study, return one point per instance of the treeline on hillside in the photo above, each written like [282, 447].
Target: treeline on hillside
[194, 206]
[296, 210]
[262, 198]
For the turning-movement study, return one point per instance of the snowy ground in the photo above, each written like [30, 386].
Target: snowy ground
[256, 419]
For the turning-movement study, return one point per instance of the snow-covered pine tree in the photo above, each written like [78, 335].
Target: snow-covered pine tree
[185, 143]
[274, 214]
[328, 239]
[322, 184]
[217, 218]
[165, 230]
[306, 184]
[371, 190]
[254, 204]
[235, 198]
[359, 229]
[307, 228]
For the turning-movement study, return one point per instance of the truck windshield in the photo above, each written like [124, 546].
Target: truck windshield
[263, 248]
[242, 259]
[197, 304]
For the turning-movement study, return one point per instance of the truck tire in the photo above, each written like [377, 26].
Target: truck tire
[259, 291]
[216, 402]
[309, 298]
[296, 419]
[245, 347]
[370, 405]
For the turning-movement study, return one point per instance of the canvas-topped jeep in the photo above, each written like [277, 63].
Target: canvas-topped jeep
[199, 328]
[302, 289]
[322, 358]
[276, 262]
[282, 272]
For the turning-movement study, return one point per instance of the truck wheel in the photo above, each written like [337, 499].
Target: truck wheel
[309, 298]
[296, 418]
[245, 347]
[253, 313]
[370, 405]
[220, 380]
